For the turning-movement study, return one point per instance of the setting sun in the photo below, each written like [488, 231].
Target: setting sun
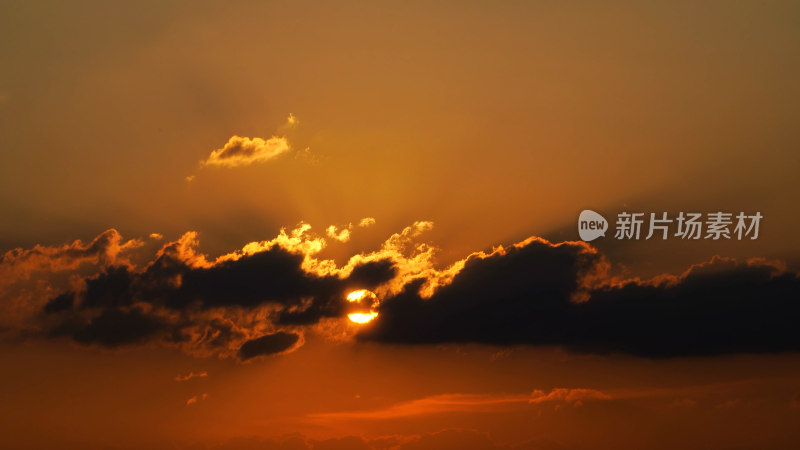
[367, 301]
[357, 296]
[405, 225]
[362, 317]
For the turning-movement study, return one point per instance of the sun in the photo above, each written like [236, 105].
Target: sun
[357, 296]
[362, 317]
[365, 303]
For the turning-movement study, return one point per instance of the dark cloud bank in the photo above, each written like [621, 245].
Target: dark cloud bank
[533, 293]
[172, 299]
[524, 297]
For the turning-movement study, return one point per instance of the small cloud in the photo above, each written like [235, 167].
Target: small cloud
[341, 235]
[270, 344]
[156, 236]
[575, 397]
[243, 151]
[189, 178]
[191, 375]
[366, 222]
[197, 398]
[292, 121]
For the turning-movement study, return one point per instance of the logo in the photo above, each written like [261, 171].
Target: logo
[686, 225]
[591, 225]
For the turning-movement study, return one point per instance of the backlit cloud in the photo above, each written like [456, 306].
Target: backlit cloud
[263, 298]
[244, 151]
[342, 234]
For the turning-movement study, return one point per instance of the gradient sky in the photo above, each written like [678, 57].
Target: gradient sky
[492, 121]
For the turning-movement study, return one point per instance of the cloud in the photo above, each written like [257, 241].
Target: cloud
[569, 396]
[245, 303]
[448, 403]
[341, 235]
[196, 399]
[105, 249]
[531, 294]
[435, 404]
[269, 344]
[191, 375]
[366, 222]
[113, 327]
[45, 277]
[243, 151]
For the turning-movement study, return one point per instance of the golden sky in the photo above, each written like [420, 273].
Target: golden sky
[349, 225]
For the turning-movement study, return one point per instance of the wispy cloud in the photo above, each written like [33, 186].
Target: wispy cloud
[196, 399]
[571, 396]
[191, 375]
[436, 404]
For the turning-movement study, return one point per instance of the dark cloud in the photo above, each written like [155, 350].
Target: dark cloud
[268, 344]
[111, 288]
[60, 303]
[177, 293]
[526, 296]
[371, 274]
[531, 293]
[114, 327]
[274, 275]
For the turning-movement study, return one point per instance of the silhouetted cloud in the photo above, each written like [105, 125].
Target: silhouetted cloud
[230, 305]
[527, 295]
[268, 344]
[114, 327]
[62, 302]
[530, 293]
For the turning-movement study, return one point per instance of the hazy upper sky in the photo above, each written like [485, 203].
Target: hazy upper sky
[495, 121]
[490, 122]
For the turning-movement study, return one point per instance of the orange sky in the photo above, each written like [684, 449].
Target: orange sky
[158, 160]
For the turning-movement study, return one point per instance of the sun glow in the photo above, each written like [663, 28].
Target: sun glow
[362, 317]
[357, 296]
[367, 301]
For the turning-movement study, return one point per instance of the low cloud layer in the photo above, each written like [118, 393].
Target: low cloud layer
[262, 299]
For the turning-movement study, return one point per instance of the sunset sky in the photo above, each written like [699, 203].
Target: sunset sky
[353, 225]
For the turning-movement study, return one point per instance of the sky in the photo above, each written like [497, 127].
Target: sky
[315, 225]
